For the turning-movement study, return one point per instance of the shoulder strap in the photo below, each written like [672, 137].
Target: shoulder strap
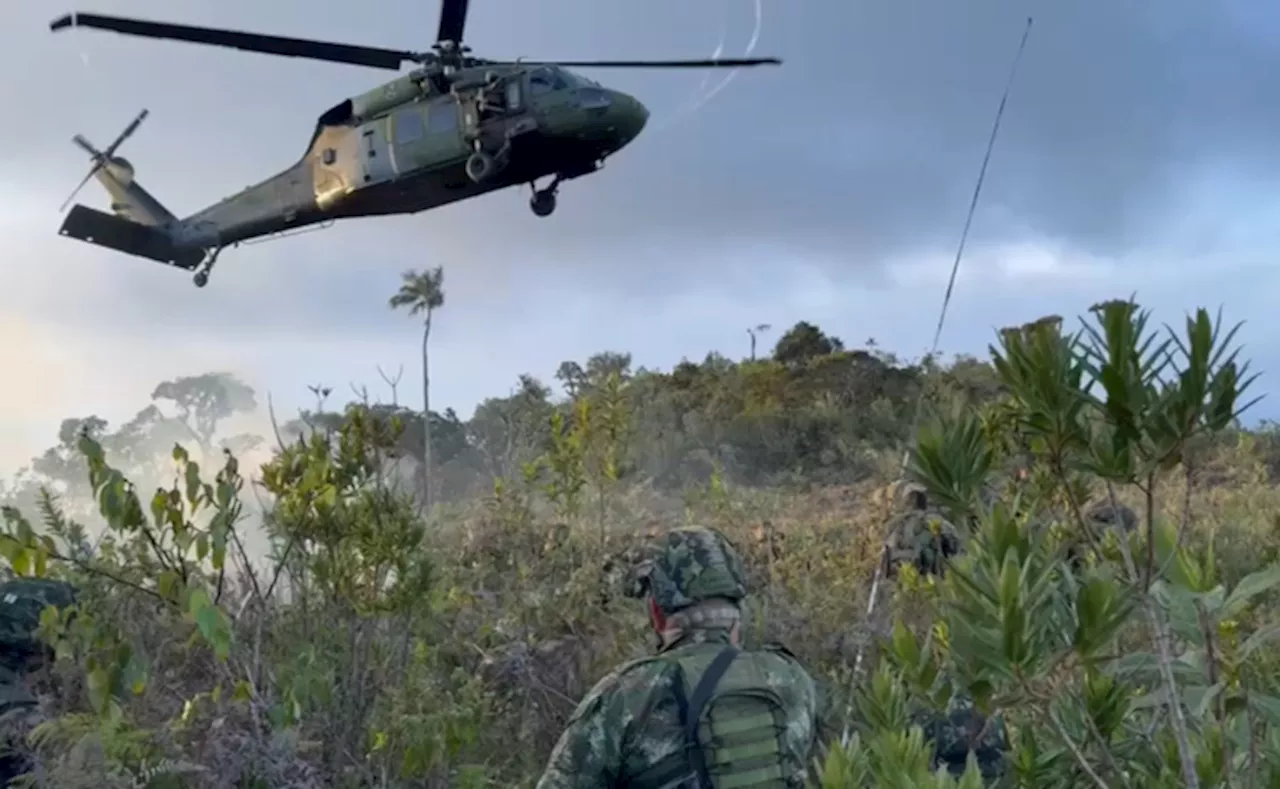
[691, 709]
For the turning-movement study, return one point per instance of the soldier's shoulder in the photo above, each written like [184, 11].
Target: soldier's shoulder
[779, 648]
[628, 682]
[787, 661]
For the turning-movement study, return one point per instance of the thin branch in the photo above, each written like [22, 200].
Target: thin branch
[275, 427]
[1075, 750]
[1165, 654]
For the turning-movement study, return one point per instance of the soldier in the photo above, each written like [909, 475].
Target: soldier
[702, 713]
[920, 536]
[961, 729]
[924, 539]
[1102, 518]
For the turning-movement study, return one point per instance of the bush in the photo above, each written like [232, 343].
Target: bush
[384, 646]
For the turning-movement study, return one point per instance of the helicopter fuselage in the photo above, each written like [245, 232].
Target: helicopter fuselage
[405, 147]
[412, 144]
[456, 127]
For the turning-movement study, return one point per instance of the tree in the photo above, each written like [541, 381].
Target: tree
[803, 342]
[759, 328]
[572, 377]
[203, 401]
[422, 293]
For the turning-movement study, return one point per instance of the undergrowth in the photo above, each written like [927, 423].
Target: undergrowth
[381, 647]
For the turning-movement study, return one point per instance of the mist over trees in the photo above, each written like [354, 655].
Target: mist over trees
[810, 412]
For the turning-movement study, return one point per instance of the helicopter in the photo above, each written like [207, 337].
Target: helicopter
[454, 127]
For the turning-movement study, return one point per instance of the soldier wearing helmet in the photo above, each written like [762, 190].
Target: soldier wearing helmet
[701, 713]
[918, 535]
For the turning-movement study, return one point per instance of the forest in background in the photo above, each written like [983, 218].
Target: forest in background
[467, 572]
[809, 413]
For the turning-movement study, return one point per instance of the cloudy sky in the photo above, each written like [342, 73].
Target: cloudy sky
[1137, 154]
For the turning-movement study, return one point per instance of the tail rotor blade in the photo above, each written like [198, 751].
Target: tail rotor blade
[127, 133]
[78, 188]
[80, 140]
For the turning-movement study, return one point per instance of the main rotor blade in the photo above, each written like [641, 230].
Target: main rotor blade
[389, 59]
[453, 19]
[711, 63]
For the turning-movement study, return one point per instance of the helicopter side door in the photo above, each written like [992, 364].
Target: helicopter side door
[375, 154]
[427, 135]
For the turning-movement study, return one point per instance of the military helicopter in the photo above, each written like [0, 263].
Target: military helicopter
[455, 127]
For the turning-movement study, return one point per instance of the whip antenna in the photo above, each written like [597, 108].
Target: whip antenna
[946, 301]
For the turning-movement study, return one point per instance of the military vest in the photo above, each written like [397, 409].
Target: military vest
[733, 724]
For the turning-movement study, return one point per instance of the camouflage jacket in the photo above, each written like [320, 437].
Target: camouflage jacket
[629, 722]
[962, 729]
[913, 540]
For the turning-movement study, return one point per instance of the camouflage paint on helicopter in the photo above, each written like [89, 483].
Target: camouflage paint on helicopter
[453, 128]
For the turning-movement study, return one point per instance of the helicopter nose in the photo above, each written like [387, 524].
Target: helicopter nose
[631, 114]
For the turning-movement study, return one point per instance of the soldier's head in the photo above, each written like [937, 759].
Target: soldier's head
[692, 579]
[913, 496]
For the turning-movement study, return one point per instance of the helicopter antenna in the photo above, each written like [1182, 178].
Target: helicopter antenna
[946, 301]
[102, 158]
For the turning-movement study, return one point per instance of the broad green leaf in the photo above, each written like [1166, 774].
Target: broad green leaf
[905, 648]
[1259, 638]
[167, 582]
[192, 476]
[22, 562]
[1250, 587]
[1267, 706]
[207, 621]
[98, 684]
[198, 600]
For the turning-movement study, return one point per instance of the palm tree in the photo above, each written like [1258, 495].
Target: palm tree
[759, 328]
[422, 292]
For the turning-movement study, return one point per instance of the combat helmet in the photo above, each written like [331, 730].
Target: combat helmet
[687, 566]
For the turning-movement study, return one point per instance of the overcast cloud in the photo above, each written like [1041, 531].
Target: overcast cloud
[1137, 154]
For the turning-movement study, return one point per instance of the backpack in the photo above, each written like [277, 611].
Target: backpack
[734, 724]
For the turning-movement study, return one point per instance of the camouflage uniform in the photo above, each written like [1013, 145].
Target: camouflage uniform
[21, 602]
[920, 536]
[963, 729]
[628, 729]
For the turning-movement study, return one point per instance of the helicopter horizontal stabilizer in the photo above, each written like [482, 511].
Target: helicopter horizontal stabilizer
[122, 235]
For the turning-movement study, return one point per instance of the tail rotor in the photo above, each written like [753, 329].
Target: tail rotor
[102, 158]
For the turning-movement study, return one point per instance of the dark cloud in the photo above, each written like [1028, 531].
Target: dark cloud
[861, 150]
[865, 143]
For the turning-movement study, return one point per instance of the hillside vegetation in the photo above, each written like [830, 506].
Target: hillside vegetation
[428, 601]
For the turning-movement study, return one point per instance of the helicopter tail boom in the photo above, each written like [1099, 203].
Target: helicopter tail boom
[127, 236]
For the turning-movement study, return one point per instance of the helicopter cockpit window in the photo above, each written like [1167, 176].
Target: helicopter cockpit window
[513, 96]
[409, 127]
[545, 80]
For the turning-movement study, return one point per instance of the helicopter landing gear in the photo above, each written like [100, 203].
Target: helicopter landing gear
[201, 277]
[480, 166]
[543, 201]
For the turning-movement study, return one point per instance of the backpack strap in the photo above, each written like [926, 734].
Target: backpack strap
[690, 710]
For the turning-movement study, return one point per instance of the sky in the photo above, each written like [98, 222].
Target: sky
[1136, 156]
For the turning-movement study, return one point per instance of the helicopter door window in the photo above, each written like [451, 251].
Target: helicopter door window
[513, 96]
[442, 118]
[409, 126]
[329, 156]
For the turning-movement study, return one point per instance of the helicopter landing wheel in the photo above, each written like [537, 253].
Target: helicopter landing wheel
[543, 202]
[480, 166]
[201, 277]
